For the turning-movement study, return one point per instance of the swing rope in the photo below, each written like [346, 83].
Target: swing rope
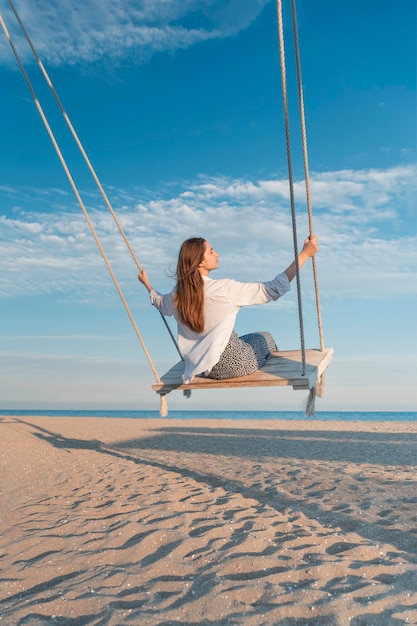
[306, 168]
[290, 179]
[318, 388]
[78, 196]
[84, 154]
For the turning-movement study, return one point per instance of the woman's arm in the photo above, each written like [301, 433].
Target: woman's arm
[309, 249]
[164, 303]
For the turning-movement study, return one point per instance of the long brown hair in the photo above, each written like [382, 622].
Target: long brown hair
[189, 294]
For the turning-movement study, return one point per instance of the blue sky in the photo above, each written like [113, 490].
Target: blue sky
[179, 107]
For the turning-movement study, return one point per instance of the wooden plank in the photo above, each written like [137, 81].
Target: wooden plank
[284, 368]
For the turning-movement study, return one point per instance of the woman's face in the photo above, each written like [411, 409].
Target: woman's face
[210, 260]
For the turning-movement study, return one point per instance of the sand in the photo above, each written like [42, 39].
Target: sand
[120, 521]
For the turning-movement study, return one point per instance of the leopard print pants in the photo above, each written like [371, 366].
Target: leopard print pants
[243, 355]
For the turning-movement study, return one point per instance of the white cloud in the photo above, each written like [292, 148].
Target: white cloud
[362, 217]
[88, 31]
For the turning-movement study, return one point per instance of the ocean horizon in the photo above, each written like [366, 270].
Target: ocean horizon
[347, 416]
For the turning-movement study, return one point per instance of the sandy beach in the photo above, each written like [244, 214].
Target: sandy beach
[159, 522]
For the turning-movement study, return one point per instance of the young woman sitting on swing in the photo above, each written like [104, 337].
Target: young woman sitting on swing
[206, 310]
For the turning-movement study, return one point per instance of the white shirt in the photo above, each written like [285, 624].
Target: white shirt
[222, 301]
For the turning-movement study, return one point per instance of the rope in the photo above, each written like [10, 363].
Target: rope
[84, 154]
[290, 179]
[76, 192]
[306, 169]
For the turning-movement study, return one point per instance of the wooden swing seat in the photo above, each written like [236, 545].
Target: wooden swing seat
[284, 368]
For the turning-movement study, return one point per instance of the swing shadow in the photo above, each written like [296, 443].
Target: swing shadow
[318, 445]
[355, 448]
[392, 449]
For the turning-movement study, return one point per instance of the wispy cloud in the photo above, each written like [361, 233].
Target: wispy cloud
[60, 337]
[63, 357]
[365, 220]
[88, 31]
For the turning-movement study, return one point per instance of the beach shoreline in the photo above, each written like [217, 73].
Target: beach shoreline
[168, 521]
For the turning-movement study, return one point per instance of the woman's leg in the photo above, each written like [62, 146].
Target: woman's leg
[262, 343]
[243, 355]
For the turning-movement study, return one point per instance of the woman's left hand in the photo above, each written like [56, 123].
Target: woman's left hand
[143, 278]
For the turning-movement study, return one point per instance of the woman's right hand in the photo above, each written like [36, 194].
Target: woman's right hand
[309, 249]
[311, 245]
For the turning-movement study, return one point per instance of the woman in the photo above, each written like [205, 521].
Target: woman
[206, 309]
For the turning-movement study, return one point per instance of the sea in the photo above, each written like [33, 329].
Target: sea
[345, 416]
